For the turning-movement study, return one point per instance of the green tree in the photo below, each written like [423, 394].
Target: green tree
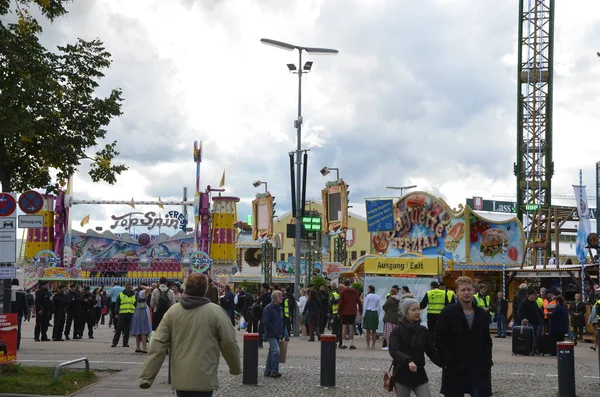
[50, 117]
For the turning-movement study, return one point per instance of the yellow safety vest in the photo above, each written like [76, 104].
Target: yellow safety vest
[286, 308]
[597, 307]
[334, 308]
[540, 302]
[127, 303]
[450, 295]
[435, 301]
[481, 302]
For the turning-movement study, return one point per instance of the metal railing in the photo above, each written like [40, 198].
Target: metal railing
[61, 365]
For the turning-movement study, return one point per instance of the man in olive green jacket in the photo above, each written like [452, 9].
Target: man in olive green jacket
[196, 331]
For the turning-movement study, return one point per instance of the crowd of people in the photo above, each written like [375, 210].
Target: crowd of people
[457, 337]
[70, 310]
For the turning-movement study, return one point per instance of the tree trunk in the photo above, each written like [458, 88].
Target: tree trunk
[4, 168]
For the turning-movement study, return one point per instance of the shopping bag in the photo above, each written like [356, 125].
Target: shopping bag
[389, 381]
[283, 345]
[243, 323]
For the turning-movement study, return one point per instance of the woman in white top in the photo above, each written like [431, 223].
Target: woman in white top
[371, 315]
[301, 303]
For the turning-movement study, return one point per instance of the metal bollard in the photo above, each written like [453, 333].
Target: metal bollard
[566, 368]
[250, 364]
[328, 347]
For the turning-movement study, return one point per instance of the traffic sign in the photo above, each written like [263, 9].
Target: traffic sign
[31, 202]
[8, 204]
[8, 240]
[8, 272]
[31, 221]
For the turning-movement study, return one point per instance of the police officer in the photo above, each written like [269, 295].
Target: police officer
[125, 307]
[483, 300]
[60, 301]
[334, 299]
[434, 301]
[88, 304]
[73, 298]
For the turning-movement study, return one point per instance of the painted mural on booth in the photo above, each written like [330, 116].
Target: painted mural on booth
[426, 224]
[87, 246]
[495, 242]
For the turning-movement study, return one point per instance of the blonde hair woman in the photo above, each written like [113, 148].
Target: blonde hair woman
[301, 304]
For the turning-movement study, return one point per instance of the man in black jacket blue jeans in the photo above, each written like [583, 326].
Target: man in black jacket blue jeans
[462, 338]
[272, 320]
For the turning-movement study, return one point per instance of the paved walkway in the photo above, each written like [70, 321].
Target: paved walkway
[358, 372]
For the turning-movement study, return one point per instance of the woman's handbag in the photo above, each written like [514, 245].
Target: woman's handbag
[389, 380]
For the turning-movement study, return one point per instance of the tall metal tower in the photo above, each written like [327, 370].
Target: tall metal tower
[534, 167]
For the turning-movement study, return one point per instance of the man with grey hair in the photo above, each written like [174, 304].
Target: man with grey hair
[272, 319]
[520, 297]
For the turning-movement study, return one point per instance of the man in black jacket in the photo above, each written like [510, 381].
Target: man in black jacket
[462, 338]
[73, 301]
[18, 304]
[43, 309]
[530, 311]
[61, 303]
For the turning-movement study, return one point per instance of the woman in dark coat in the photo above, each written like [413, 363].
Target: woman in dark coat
[559, 320]
[409, 342]
[313, 308]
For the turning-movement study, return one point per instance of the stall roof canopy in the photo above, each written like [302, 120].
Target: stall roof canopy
[549, 268]
[245, 240]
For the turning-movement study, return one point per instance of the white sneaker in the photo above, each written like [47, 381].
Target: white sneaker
[385, 348]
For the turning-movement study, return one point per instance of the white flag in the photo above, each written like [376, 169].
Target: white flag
[584, 223]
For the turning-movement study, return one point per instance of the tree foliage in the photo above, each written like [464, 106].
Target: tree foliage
[50, 117]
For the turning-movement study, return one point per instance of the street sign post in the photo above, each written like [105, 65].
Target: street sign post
[31, 202]
[31, 221]
[8, 272]
[8, 204]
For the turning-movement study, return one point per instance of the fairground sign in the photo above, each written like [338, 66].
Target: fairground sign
[149, 219]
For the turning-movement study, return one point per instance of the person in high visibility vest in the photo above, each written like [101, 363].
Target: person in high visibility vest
[334, 299]
[434, 301]
[596, 307]
[289, 308]
[126, 308]
[450, 295]
[483, 300]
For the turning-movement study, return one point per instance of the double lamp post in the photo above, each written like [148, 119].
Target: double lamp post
[299, 70]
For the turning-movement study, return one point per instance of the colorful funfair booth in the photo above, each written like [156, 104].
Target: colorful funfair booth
[419, 233]
[136, 256]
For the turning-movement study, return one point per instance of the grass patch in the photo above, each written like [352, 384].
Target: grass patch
[19, 379]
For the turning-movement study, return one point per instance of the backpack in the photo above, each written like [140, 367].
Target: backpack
[163, 303]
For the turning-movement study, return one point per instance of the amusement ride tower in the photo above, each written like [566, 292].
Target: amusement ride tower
[534, 167]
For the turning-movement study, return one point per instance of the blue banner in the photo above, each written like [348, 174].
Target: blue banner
[380, 215]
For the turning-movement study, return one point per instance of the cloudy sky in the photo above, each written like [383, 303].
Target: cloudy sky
[422, 92]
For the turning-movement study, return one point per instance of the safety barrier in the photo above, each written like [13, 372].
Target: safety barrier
[61, 365]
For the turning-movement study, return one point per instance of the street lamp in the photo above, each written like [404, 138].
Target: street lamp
[258, 183]
[327, 170]
[401, 188]
[298, 125]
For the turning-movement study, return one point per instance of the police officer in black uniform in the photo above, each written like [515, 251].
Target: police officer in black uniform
[61, 303]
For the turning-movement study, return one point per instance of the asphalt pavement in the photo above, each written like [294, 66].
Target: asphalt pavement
[358, 372]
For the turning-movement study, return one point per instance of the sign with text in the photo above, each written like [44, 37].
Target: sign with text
[547, 274]
[478, 204]
[31, 221]
[8, 338]
[380, 215]
[404, 265]
[150, 220]
[8, 239]
[8, 272]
